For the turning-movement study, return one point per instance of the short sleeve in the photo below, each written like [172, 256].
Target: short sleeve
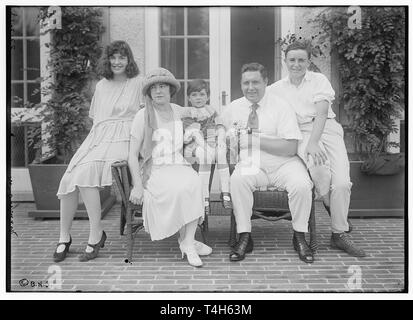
[141, 98]
[323, 89]
[287, 125]
[138, 124]
[92, 108]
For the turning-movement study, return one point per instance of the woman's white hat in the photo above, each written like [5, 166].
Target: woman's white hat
[160, 75]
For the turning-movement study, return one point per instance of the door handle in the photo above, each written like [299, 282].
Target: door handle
[223, 98]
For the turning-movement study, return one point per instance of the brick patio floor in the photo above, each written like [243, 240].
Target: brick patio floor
[272, 267]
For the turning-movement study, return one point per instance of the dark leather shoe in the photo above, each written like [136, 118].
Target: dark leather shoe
[243, 246]
[350, 225]
[60, 256]
[86, 256]
[300, 245]
[342, 241]
[226, 200]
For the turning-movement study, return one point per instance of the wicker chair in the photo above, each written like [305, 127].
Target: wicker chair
[131, 214]
[271, 204]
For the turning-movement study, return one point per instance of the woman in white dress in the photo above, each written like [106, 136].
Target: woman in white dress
[116, 100]
[164, 181]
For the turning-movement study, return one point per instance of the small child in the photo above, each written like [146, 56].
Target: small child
[205, 140]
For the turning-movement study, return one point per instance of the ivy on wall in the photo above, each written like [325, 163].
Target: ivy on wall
[371, 62]
[74, 53]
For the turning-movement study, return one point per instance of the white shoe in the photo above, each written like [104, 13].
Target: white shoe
[201, 248]
[191, 255]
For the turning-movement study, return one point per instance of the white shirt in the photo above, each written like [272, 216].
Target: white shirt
[275, 118]
[314, 87]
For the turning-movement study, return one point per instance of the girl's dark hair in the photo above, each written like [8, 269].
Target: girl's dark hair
[197, 86]
[122, 48]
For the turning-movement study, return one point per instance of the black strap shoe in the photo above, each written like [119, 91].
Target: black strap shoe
[243, 246]
[300, 245]
[86, 256]
[342, 241]
[60, 256]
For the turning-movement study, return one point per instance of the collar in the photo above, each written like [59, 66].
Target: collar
[260, 103]
[307, 77]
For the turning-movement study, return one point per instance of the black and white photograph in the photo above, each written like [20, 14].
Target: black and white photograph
[206, 149]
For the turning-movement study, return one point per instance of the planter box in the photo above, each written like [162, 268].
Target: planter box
[376, 196]
[45, 179]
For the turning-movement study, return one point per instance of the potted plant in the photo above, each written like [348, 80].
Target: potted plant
[74, 53]
[371, 62]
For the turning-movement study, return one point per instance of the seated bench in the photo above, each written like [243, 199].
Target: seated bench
[269, 204]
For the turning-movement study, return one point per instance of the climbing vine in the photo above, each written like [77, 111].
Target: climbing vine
[371, 63]
[74, 53]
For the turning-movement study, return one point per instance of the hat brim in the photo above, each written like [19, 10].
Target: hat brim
[160, 79]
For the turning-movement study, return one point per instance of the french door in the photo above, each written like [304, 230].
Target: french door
[212, 43]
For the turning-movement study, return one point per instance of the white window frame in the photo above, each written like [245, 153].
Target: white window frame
[219, 46]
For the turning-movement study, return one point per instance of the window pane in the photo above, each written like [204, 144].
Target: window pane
[17, 60]
[16, 95]
[32, 21]
[198, 58]
[33, 92]
[198, 21]
[33, 59]
[16, 22]
[172, 21]
[172, 57]
[179, 97]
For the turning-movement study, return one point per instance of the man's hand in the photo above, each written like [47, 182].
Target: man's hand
[248, 141]
[314, 150]
[136, 195]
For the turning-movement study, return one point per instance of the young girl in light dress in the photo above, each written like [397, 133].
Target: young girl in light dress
[116, 100]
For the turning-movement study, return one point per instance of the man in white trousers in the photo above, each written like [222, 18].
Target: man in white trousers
[310, 95]
[268, 147]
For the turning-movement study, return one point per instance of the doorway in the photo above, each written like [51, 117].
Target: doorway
[252, 40]
[240, 35]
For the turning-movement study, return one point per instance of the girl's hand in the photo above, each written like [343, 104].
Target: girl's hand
[199, 139]
[314, 150]
[136, 195]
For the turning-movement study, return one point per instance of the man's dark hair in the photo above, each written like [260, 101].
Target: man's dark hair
[299, 45]
[255, 66]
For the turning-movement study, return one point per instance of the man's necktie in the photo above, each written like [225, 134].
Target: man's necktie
[253, 117]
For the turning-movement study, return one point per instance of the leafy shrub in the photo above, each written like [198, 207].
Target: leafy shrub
[371, 62]
[74, 53]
